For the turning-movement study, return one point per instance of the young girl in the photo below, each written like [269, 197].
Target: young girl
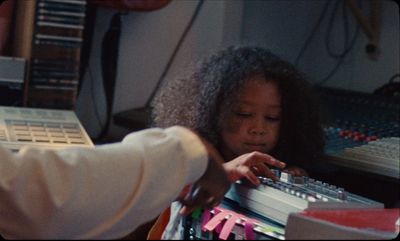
[246, 101]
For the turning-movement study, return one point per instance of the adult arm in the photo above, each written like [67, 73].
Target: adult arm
[105, 192]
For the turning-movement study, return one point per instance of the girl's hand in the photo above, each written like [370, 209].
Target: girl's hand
[251, 165]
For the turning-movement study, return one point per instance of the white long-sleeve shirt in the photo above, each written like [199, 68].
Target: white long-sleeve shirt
[100, 193]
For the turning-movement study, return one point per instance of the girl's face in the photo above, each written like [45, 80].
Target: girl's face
[253, 121]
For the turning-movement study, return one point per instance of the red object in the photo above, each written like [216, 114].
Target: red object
[372, 138]
[344, 224]
[344, 133]
[378, 219]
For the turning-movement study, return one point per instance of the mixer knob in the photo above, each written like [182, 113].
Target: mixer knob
[298, 180]
[341, 194]
[263, 180]
[311, 199]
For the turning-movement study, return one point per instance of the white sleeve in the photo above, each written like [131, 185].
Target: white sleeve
[100, 193]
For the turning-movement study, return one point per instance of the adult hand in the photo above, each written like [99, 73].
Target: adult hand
[210, 189]
[251, 165]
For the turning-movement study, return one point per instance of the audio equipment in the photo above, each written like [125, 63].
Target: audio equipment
[363, 131]
[261, 212]
[42, 128]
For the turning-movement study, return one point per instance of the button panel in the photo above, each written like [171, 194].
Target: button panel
[44, 132]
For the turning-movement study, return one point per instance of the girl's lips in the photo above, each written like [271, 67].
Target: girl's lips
[255, 146]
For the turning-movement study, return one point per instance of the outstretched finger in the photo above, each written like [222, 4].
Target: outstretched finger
[271, 161]
[262, 161]
[249, 174]
[258, 157]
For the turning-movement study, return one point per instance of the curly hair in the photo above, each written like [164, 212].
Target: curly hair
[198, 101]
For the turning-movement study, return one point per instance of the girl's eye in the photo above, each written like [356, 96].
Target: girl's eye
[273, 119]
[243, 114]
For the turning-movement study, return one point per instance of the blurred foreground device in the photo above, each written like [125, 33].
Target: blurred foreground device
[43, 128]
[361, 224]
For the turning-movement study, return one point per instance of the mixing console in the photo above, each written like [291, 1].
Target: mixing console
[380, 156]
[362, 131]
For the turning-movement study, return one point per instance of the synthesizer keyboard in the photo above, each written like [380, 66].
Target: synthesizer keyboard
[42, 128]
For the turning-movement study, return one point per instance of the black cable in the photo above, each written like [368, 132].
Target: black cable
[392, 88]
[394, 77]
[96, 111]
[331, 73]
[328, 36]
[314, 30]
[327, 41]
[177, 47]
[347, 45]
[345, 24]
[90, 19]
[109, 60]
[109, 65]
